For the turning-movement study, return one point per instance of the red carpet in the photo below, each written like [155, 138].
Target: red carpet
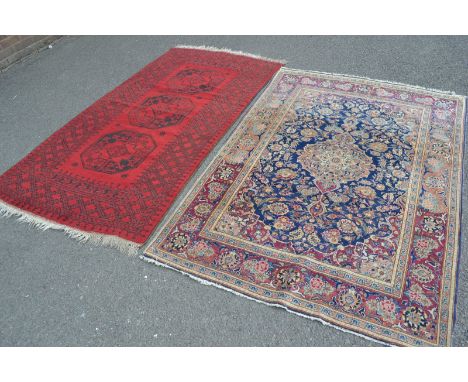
[113, 171]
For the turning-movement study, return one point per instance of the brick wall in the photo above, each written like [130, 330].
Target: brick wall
[14, 48]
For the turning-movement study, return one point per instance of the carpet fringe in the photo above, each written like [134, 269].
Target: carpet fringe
[210, 283]
[446, 92]
[124, 246]
[226, 50]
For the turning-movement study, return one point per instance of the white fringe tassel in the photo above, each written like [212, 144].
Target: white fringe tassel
[226, 50]
[206, 282]
[125, 246]
[351, 76]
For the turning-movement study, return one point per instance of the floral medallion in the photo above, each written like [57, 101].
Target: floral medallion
[335, 161]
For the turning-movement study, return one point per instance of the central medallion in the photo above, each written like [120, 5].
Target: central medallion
[335, 161]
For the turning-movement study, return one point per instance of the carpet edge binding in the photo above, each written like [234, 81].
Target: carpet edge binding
[219, 286]
[358, 77]
[230, 51]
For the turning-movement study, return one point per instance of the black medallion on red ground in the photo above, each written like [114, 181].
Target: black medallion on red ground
[195, 81]
[160, 111]
[117, 152]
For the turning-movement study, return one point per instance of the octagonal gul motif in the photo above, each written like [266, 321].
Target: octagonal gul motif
[195, 80]
[118, 152]
[160, 111]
